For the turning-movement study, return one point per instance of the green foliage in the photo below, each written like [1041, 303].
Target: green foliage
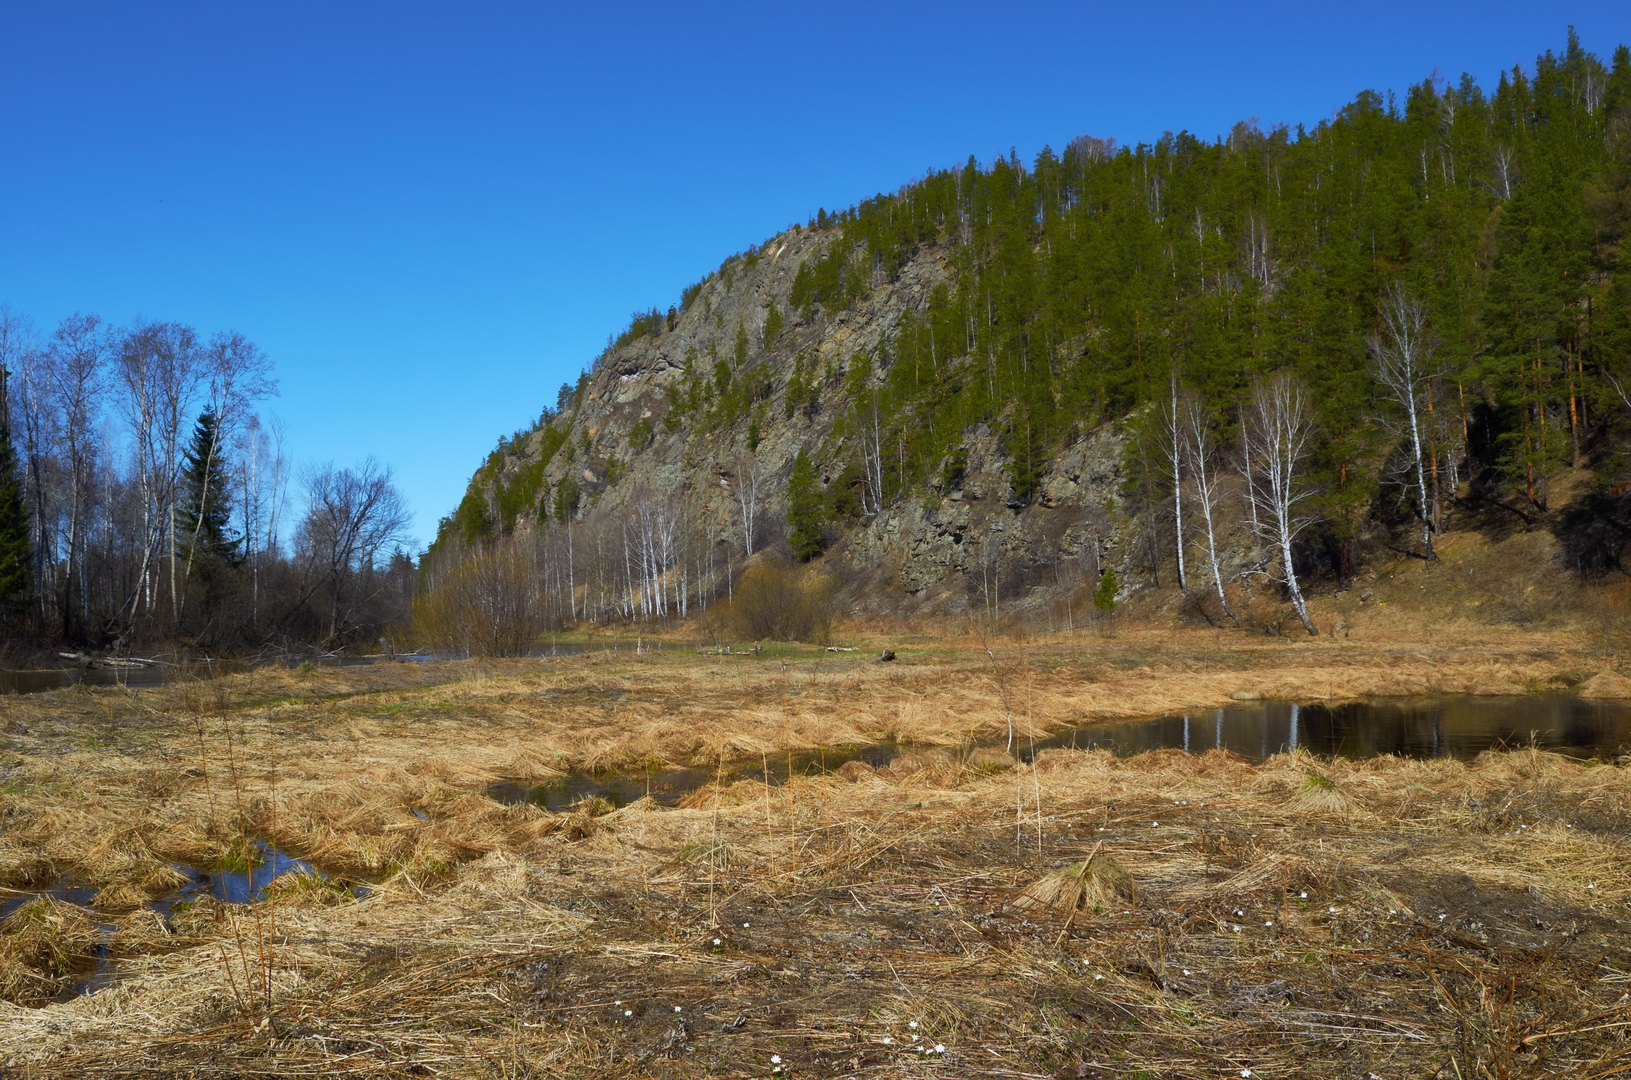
[740, 353]
[1104, 594]
[641, 434]
[15, 552]
[806, 509]
[773, 325]
[205, 515]
[567, 497]
[641, 324]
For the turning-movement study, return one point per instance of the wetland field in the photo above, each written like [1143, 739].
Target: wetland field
[808, 863]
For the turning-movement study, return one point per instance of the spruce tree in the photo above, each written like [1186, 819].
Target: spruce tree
[15, 552]
[205, 509]
[805, 509]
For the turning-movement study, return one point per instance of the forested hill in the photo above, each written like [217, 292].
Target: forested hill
[1008, 337]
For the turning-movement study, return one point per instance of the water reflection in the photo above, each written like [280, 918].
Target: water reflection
[1421, 728]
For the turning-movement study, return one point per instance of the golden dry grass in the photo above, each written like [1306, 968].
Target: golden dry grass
[1299, 917]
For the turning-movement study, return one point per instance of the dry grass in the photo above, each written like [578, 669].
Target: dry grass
[1301, 917]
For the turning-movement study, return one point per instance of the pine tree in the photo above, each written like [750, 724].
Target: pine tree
[205, 508]
[15, 553]
[805, 509]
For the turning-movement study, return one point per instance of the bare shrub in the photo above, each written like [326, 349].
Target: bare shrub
[775, 602]
[487, 605]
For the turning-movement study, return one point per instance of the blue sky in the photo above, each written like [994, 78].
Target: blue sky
[432, 215]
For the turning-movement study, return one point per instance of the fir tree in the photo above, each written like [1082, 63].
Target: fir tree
[15, 553]
[205, 508]
[806, 510]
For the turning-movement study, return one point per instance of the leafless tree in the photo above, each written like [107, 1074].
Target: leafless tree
[1171, 436]
[352, 517]
[1201, 451]
[1281, 427]
[160, 369]
[871, 432]
[78, 358]
[1401, 355]
[262, 471]
[747, 497]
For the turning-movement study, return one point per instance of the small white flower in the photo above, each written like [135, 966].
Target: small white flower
[744, 926]
[915, 1038]
[628, 1012]
[939, 1048]
[887, 1040]
[617, 1003]
[1237, 928]
[775, 1059]
[1155, 824]
[1101, 828]
[1592, 886]
[1239, 913]
[1098, 978]
[1186, 971]
[1269, 922]
[912, 1025]
[676, 1008]
[1333, 911]
[716, 942]
[1302, 896]
[1246, 1074]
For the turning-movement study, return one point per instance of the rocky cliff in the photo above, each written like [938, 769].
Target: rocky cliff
[721, 394]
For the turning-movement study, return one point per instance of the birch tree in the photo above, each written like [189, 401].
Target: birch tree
[1171, 434]
[1201, 452]
[1401, 353]
[747, 497]
[76, 372]
[1281, 426]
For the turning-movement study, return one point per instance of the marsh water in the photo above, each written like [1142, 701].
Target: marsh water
[147, 674]
[1458, 727]
[231, 886]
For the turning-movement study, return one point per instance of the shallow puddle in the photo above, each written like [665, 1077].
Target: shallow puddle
[228, 886]
[668, 786]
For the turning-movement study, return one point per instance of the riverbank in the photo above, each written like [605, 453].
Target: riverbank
[872, 898]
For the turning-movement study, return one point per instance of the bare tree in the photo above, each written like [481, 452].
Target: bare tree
[1201, 451]
[872, 491]
[78, 358]
[1171, 434]
[263, 477]
[1281, 427]
[159, 368]
[747, 497]
[352, 517]
[1400, 357]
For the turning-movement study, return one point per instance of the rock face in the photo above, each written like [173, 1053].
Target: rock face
[647, 423]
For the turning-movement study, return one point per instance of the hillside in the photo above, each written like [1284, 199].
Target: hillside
[1007, 379]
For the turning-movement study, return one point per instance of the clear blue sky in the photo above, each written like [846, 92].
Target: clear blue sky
[432, 215]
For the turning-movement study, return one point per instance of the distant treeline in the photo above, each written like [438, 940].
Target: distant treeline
[142, 500]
